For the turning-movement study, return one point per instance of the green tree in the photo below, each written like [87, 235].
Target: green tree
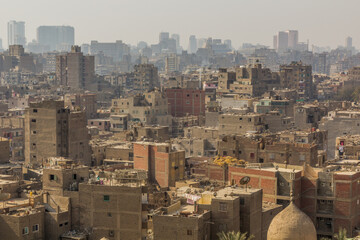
[341, 235]
[234, 236]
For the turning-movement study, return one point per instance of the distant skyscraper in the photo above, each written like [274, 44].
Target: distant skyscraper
[227, 42]
[117, 50]
[275, 42]
[348, 43]
[1, 47]
[172, 63]
[163, 36]
[177, 39]
[282, 41]
[201, 42]
[192, 44]
[141, 45]
[85, 48]
[293, 38]
[16, 33]
[56, 37]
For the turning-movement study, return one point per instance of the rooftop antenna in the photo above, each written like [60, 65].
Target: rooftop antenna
[200, 80]
[244, 181]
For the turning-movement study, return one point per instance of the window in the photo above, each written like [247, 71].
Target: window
[66, 223]
[189, 232]
[35, 110]
[222, 207]
[25, 231]
[35, 228]
[111, 233]
[33, 120]
[106, 198]
[74, 176]
[52, 177]
[109, 214]
[60, 225]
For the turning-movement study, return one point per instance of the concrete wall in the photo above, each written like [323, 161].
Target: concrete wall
[4, 150]
[225, 220]
[11, 226]
[118, 218]
[180, 227]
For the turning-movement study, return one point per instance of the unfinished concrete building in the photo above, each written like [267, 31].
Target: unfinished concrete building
[347, 147]
[145, 77]
[153, 133]
[241, 123]
[107, 150]
[165, 164]
[197, 147]
[16, 143]
[75, 70]
[298, 76]
[21, 220]
[148, 108]
[225, 78]
[268, 150]
[182, 221]
[61, 175]
[113, 210]
[254, 80]
[54, 131]
[340, 123]
[197, 214]
[275, 103]
[307, 116]
[84, 101]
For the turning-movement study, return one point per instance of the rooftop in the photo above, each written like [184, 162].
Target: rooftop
[233, 192]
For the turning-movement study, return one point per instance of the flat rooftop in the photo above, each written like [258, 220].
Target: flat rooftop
[232, 192]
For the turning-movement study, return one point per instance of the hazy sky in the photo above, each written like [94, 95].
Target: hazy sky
[323, 22]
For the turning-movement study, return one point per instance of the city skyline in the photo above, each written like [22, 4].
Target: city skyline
[234, 24]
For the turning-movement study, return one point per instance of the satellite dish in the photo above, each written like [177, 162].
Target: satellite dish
[244, 181]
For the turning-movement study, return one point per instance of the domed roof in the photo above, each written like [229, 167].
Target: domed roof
[291, 224]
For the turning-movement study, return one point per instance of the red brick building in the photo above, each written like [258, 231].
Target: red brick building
[164, 164]
[330, 197]
[184, 102]
[101, 124]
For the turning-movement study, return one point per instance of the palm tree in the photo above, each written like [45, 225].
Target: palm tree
[341, 235]
[234, 236]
